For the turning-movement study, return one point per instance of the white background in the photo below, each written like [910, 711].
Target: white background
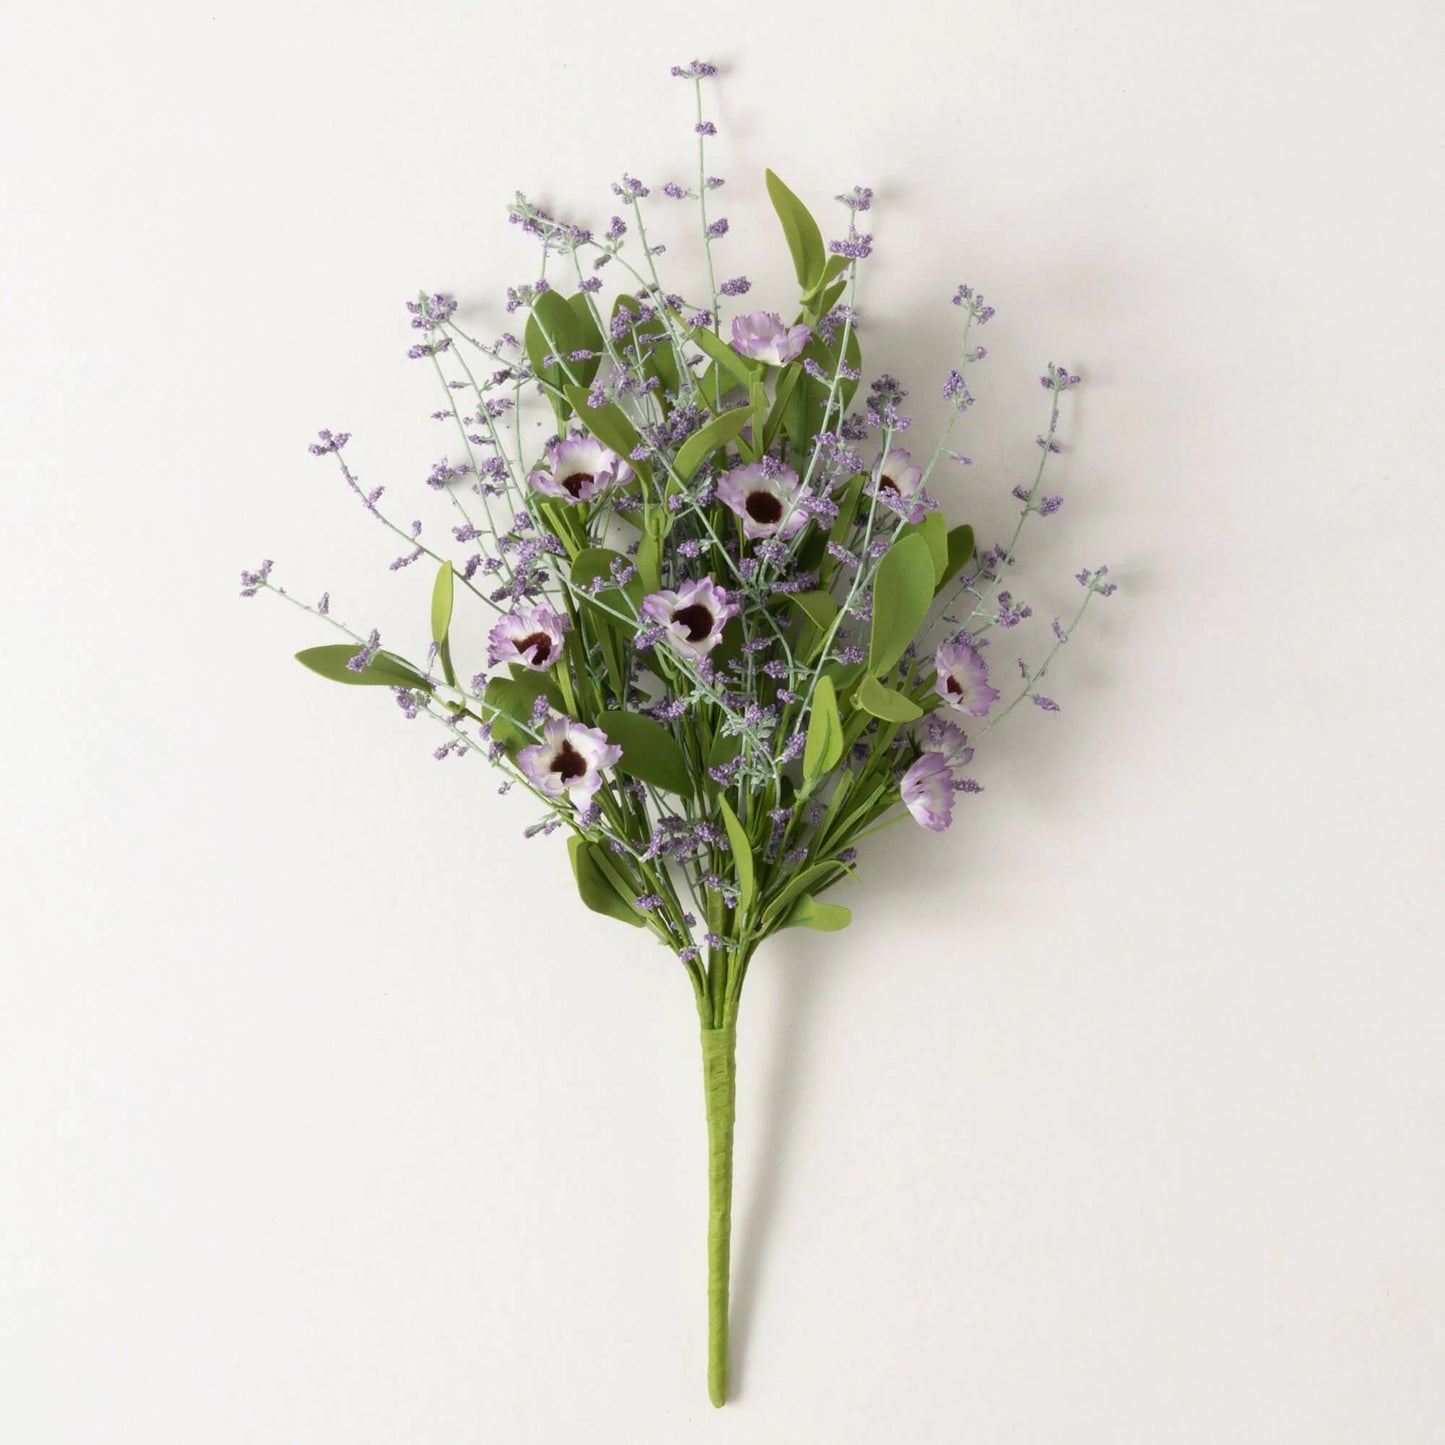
[327, 1114]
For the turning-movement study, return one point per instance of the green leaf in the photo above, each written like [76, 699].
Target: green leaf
[807, 912]
[609, 424]
[552, 328]
[503, 699]
[594, 562]
[588, 337]
[818, 875]
[782, 398]
[441, 604]
[384, 670]
[882, 702]
[741, 368]
[725, 747]
[803, 421]
[653, 341]
[933, 530]
[707, 439]
[824, 744]
[596, 889]
[804, 238]
[818, 607]
[532, 684]
[902, 595]
[649, 751]
[649, 557]
[960, 553]
[834, 269]
[742, 857]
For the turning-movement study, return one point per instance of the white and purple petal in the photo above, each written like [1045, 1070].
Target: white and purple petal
[951, 741]
[531, 636]
[962, 680]
[569, 760]
[900, 484]
[927, 791]
[763, 336]
[767, 496]
[692, 617]
[578, 468]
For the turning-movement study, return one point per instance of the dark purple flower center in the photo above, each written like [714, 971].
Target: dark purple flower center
[573, 485]
[764, 507]
[697, 619]
[887, 484]
[953, 685]
[538, 644]
[568, 762]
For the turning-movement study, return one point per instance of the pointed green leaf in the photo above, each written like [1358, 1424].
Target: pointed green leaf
[506, 704]
[649, 751]
[532, 684]
[595, 888]
[588, 337]
[882, 702]
[824, 744]
[819, 608]
[742, 851]
[441, 604]
[934, 531]
[834, 269]
[707, 439]
[805, 240]
[384, 670]
[960, 553]
[741, 368]
[818, 875]
[807, 912]
[902, 595]
[725, 747]
[649, 558]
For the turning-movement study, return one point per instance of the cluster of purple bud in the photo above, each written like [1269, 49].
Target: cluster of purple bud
[253, 582]
[431, 311]
[629, 188]
[362, 659]
[977, 311]
[696, 70]
[1095, 583]
[1058, 378]
[955, 389]
[329, 442]
[520, 297]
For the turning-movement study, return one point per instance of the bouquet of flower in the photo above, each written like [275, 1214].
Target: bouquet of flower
[731, 633]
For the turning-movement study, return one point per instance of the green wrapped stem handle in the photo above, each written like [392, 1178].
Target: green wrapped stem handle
[719, 1070]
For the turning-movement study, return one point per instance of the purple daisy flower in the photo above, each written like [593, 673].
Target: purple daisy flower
[900, 485]
[569, 760]
[578, 468]
[766, 496]
[692, 617]
[927, 791]
[963, 679]
[531, 636]
[762, 336]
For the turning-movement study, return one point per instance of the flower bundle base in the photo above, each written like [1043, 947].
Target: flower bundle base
[731, 634]
[720, 1084]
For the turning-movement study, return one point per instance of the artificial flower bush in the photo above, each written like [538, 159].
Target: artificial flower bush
[731, 632]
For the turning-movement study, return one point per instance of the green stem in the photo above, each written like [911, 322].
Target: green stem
[719, 1047]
